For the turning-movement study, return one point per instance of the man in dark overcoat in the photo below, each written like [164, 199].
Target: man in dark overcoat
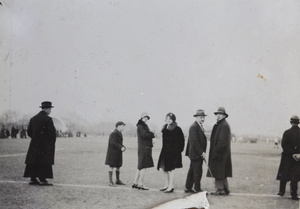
[114, 155]
[40, 155]
[289, 169]
[196, 149]
[220, 153]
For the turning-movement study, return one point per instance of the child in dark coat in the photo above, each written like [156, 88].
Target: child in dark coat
[114, 155]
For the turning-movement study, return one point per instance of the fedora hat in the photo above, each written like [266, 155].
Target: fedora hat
[294, 119]
[200, 113]
[221, 110]
[46, 104]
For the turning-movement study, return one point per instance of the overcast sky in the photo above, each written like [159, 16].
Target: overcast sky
[112, 60]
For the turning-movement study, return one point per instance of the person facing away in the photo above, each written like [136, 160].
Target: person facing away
[40, 154]
[289, 168]
[145, 144]
[170, 155]
[195, 150]
[220, 153]
[114, 155]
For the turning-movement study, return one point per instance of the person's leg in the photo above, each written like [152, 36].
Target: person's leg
[171, 182]
[189, 179]
[226, 186]
[282, 186]
[141, 180]
[294, 188]
[136, 179]
[219, 184]
[110, 174]
[197, 167]
[166, 177]
[118, 181]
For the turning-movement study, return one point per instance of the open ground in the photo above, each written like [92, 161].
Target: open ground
[81, 178]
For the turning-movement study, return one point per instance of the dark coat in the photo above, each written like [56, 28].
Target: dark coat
[197, 142]
[290, 143]
[220, 151]
[114, 155]
[172, 147]
[43, 137]
[145, 145]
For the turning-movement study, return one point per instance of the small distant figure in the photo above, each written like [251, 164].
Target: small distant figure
[40, 155]
[289, 168]
[276, 142]
[14, 132]
[23, 133]
[3, 133]
[114, 155]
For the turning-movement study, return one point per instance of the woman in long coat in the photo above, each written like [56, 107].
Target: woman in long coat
[114, 155]
[170, 155]
[145, 145]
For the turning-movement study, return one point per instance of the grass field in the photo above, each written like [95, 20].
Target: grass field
[81, 178]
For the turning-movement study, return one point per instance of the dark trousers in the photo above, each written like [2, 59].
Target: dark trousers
[294, 188]
[194, 175]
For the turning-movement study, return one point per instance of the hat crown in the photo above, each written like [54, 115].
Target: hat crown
[294, 119]
[46, 104]
[200, 112]
[222, 111]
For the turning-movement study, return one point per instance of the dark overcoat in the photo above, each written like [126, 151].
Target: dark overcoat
[290, 143]
[114, 155]
[145, 145]
[172, 147]
[43, 137]
[220, 151]
[197, 142]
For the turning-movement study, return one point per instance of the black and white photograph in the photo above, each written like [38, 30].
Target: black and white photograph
[149, 104]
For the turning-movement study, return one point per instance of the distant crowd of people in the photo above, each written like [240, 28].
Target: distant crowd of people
[40, 155]
[13, 133]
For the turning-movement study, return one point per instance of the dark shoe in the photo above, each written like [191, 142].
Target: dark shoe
[295, 198]
[169, 191]
[34, 182]
[280, 194]
[189, 191]
[112, 184]
[218, 192]
[163, 189]
[141, 187]
[227, 191]
[134, 186]
[119, 182]
[45, 183]
[198, 190]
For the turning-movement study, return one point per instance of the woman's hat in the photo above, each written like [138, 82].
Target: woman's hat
[221, 110]
[295, 119]
[46, 104]
[120, 123]
[144, 114]
[200, 113]
[172, 116]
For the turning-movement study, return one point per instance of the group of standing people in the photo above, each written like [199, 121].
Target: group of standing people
[170, 157]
